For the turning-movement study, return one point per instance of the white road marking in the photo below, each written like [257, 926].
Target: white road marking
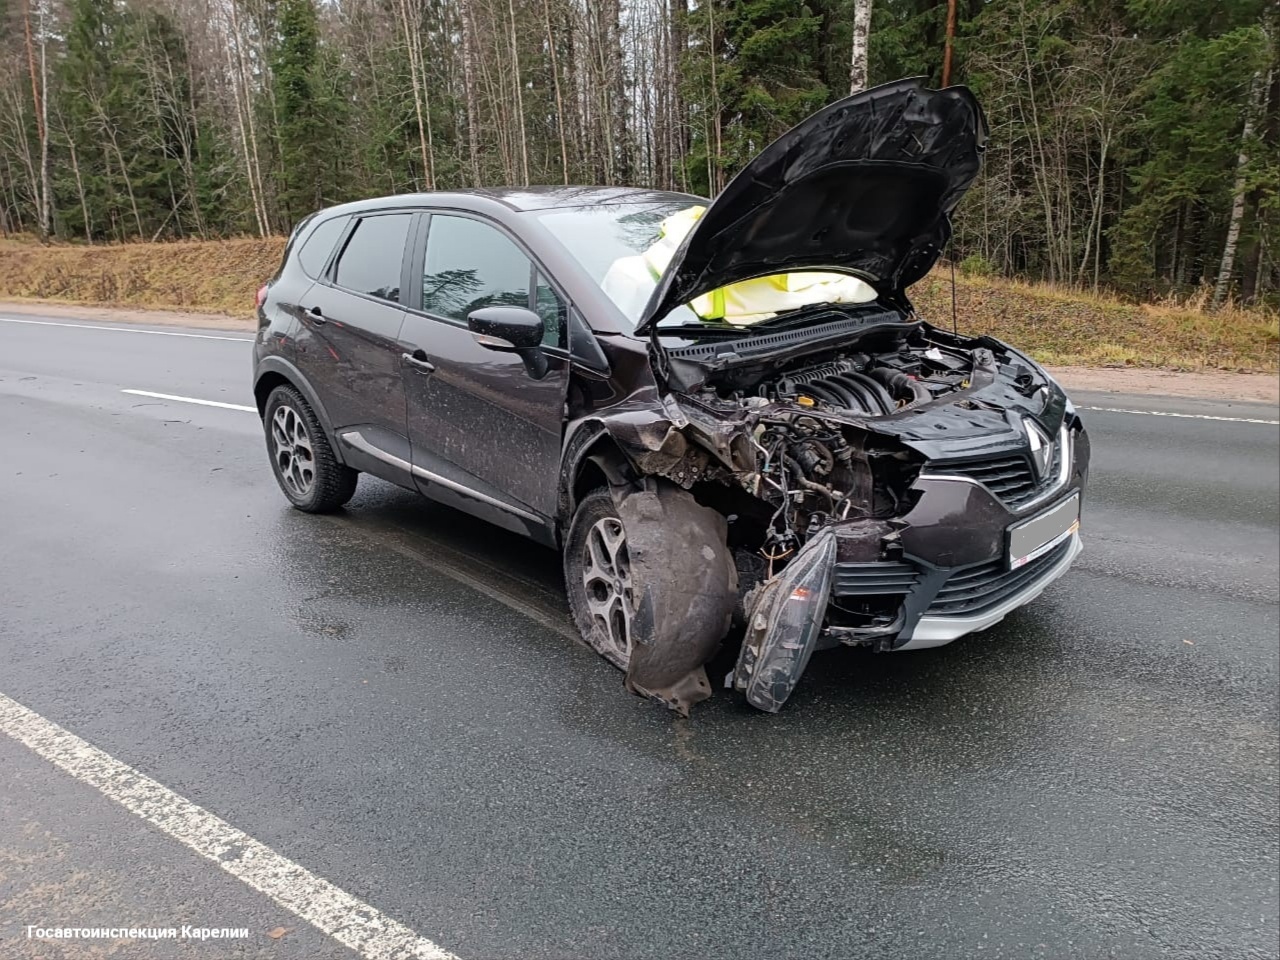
[232, 406]
[154, 333]
[369, 932]
[1183, 416]
[203, 403]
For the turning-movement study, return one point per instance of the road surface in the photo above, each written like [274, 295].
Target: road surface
[391, 700]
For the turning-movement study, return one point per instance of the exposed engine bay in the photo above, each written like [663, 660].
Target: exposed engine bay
[812, 460]
[810, 465]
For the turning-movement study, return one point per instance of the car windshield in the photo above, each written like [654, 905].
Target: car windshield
[624, 249]
[608, 240]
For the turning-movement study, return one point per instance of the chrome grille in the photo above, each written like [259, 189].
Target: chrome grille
[979, 589]
[1009, 476]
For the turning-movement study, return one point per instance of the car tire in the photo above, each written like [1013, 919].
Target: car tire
[597, 575]
[302, 458]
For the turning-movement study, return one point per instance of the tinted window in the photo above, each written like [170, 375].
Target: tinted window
[315, 252]
[471, 265]
[370, 263]
[553, 313]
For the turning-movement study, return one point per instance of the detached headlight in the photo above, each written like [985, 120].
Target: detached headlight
[783, 625]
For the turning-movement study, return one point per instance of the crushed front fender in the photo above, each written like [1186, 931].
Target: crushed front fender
[685, 589]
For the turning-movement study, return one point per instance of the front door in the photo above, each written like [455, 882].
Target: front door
[479, 421]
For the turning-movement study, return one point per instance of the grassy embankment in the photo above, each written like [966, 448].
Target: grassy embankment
[1057, 326]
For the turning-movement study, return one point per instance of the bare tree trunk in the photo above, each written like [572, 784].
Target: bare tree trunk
[417, 95]
[45, 200]
[858, 55]
[75, 170]
[519, 86]
[714, 164]
[248, 132]
[1252, 108]
[38, 90]
[555, 82]
[469, 84]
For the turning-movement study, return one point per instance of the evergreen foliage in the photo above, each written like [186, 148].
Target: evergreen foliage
[1118, 153]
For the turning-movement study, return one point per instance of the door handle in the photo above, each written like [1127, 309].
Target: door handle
[316, 315]
[418, 360]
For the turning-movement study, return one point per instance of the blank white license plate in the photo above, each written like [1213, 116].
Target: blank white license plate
[1037, 536]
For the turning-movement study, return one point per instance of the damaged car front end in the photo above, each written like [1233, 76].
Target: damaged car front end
[842, 474]
[896, 494]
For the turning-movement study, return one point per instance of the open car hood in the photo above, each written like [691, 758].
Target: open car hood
[864, 186]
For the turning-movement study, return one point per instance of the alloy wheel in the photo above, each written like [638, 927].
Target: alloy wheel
[294, 456]
[606, 575]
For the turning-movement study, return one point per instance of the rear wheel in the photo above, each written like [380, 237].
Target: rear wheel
[302, 458]
[597, 573]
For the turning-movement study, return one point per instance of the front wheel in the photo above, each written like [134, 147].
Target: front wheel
[597, 574]
[302, 459]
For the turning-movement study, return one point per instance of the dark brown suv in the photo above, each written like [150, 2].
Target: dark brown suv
[833, 469]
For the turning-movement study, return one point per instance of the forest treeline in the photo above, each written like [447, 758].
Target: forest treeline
[1134, 143]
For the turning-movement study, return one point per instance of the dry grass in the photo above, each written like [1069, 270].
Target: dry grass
[1055, 325]
[216, 276]
[1075, 328]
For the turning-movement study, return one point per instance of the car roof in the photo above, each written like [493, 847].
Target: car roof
[521, 198]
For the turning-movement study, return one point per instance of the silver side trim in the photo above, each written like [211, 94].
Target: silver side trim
[1064, 474]
[937, 631]
[357, 440]
[475, 494]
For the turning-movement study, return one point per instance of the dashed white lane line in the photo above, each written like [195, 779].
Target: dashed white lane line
[335, 912]
[1182, 416]
[154, 333]
[196, 400]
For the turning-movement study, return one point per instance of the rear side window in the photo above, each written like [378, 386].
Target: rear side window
[370, 262]
[315, 252]
[472, 265]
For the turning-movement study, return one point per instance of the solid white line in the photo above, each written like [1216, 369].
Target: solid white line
[203, 403]
[155, 333]
[1183, 416]
[335, 912]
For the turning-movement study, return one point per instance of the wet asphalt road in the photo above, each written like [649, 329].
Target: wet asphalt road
[391, 698]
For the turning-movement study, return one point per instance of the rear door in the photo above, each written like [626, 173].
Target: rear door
[484, 432]
[349, 346]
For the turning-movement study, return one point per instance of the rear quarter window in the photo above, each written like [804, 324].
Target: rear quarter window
[319, 245]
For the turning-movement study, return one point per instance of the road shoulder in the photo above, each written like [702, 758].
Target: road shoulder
[1210, 385]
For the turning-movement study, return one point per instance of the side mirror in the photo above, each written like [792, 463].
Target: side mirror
[515, 330]
[509, 329]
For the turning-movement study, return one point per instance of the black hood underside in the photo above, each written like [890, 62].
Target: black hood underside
[864, 186]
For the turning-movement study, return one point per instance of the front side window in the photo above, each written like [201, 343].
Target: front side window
[471, 265]
[554, 314]
[370, 262]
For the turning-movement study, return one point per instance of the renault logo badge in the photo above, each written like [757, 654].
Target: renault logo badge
[1041, 448]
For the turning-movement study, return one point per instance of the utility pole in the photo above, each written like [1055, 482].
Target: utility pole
[951, 36]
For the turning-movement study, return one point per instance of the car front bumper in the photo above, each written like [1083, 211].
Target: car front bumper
[944, 569]
[937, 630]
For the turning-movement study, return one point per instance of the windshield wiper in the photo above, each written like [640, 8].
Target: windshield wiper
[802, 315]
[702, 330]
